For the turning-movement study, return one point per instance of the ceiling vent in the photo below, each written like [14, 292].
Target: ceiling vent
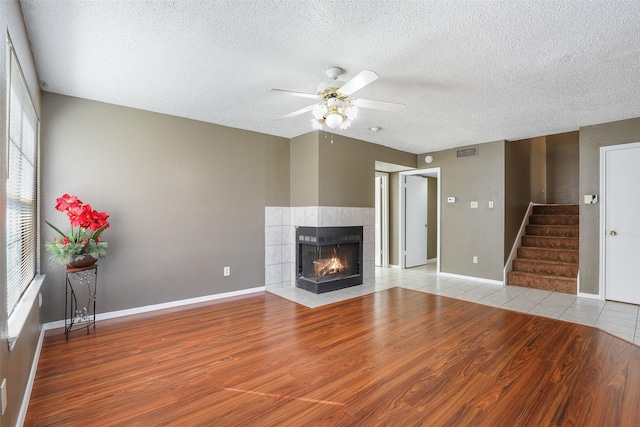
[467, 152]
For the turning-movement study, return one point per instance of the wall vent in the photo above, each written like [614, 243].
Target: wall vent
[467, 152]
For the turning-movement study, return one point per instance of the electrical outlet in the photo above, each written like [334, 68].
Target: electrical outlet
[227, 271]
[474, 205]
[475, 259]
[490, 204]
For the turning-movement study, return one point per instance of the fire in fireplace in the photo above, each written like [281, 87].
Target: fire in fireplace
[328, 258]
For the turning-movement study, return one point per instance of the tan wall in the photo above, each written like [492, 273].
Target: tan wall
[304, 170]
[394, 218]
[466, 232]
[563, 153]
[15, 366]
[432, 218]
[347, 170]
[186, 198]
[591, 139]
[517, 189]
[538, 169]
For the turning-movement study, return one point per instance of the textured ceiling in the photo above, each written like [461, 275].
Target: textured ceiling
[468, 71]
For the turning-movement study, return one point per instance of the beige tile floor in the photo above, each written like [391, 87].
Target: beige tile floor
[616, 318]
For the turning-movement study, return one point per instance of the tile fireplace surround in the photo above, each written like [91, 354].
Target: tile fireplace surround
[279, 238]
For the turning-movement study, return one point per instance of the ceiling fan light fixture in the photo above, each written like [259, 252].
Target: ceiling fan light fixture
[345, 124]
[351, 112]
[319, 111]
[316, 124]
[334, 120]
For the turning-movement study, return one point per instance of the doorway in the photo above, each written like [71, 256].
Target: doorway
[409, 226]
[620, 241]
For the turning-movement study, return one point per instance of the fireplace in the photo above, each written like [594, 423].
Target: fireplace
[328, 258]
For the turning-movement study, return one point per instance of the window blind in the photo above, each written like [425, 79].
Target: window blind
[21, 197]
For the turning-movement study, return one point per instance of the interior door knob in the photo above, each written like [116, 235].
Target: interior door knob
[612, 233]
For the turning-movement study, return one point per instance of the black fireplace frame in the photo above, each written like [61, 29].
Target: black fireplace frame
[326, 236]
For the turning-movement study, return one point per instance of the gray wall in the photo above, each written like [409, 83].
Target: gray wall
[466, 232]
[186, 198]
[563, 153]
[15, 366]
[591, 139]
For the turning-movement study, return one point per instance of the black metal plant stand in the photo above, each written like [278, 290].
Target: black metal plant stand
[82, 284]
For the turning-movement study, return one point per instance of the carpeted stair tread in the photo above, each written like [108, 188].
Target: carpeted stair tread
[554, 220]
[556, 210]
[548, 257]
[552, 268]
[553, 242]
[549, 254]
[553, 230]
[541, 281]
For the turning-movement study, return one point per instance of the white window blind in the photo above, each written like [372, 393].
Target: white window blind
[21, 187]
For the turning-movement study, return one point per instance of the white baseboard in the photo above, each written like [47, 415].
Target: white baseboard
[154, 307]
[591, 296]
[22, 415]
[472, 278]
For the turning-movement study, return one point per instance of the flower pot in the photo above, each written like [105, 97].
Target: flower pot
[87, 261]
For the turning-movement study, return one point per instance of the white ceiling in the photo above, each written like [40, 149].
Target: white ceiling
[468, 71]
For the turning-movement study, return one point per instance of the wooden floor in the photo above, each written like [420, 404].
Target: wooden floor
[397, 358]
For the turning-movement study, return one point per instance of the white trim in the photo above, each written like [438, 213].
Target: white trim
[18, 317]
[384, 217]
[508, 266]
[155, 307]
[590, 296]
[22, 415]
[472, 278]
[603, 204]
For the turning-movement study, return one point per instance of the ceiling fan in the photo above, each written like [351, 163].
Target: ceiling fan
[337, 109]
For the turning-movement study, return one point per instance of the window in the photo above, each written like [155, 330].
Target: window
[21, 209]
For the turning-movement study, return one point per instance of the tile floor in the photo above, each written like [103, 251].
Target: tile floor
[616, 318]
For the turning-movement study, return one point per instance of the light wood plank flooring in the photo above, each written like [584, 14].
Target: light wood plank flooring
[396, 357]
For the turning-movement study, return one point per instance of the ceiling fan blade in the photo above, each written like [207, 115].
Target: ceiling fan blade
[296, 113]
[300, 94]
[378, 105]
[362, 79]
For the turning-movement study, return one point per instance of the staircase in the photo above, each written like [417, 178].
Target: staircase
[548, 257]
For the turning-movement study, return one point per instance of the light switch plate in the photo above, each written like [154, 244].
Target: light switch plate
[474, 205]
[590, 199]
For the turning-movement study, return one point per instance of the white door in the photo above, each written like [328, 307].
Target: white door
[621, 226]
[416, 221]
[378, 225]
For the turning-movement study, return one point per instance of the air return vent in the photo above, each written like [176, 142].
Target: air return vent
[467, 152]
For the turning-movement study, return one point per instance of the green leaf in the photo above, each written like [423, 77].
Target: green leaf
[98, 231]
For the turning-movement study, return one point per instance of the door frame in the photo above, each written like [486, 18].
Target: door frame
[384, 217]
[603, 205]
[431, 173]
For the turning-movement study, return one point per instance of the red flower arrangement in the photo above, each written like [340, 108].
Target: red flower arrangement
[83, 240]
